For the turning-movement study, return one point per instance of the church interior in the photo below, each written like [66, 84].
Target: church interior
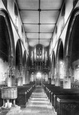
[39, 51]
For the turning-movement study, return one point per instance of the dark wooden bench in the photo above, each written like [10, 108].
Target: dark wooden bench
[48, 89]
[67, 105]
[24, 92]
[70, 97]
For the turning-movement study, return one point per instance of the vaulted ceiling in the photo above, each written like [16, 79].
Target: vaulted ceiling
[39, 18]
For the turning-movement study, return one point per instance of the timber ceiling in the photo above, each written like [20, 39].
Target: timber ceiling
[39, 18]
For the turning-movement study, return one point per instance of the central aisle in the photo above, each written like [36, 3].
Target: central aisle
[39, 103]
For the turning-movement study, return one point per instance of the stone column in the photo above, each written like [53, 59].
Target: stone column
[9, 81]
[23, 75]
[19, 83]
[11, 76]
[20, 75]
[27, 78]
[49, 78]
[57, 79]
[32, 77]
[46, 77]
[67, 77]
[52, 75]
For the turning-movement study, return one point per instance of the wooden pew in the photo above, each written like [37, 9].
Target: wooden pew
[67, 105]
[70, 97]
[24, 92]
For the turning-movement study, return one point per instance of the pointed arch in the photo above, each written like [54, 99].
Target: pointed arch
[59, 52]
[72, 38]
[53, 59]
[18, 54]
[7, 47]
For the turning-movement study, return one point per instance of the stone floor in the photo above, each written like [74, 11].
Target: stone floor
[38, 104]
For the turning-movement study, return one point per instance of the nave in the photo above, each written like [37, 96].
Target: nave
[38, 103]
[39, 46]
